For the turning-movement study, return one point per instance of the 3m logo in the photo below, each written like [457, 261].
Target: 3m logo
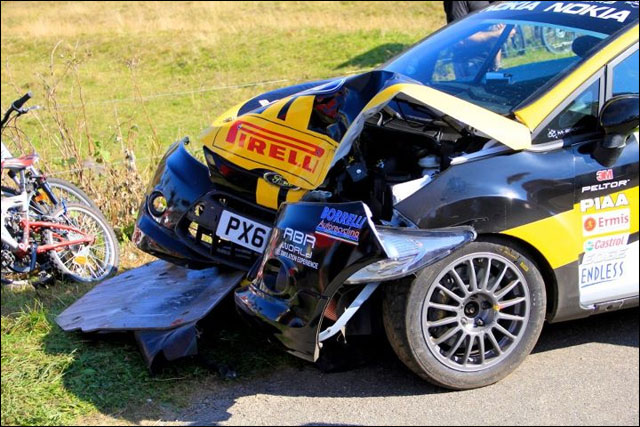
[275, 146]
[604, 175]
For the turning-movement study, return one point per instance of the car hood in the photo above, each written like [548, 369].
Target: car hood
[301, 131]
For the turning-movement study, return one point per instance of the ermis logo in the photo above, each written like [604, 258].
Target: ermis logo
[606, 222]
[589, 224]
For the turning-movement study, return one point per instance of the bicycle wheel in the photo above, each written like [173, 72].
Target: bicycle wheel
[90, 262]
[70, 193]
[556, 40]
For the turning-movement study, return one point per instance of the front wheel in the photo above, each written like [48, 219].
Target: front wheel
[469, 320]
[90, 262]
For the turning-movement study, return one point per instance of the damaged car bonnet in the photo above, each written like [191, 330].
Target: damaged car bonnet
[301, 136]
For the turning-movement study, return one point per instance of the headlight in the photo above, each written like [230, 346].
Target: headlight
[409, 250]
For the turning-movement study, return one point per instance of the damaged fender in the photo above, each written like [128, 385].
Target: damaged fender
[314, 250]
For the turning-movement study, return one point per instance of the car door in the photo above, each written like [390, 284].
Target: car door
[607, 199]
[605, 213]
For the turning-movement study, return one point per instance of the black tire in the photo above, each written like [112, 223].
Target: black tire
[404, 319]
[64, 261]
[70, 193]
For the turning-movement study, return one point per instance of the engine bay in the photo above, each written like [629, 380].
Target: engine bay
[400, 150]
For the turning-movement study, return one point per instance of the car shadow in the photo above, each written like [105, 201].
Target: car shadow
[209, 398]
[616, 328]
[375, 56]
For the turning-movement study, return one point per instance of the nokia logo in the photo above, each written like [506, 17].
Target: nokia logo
[279, 180]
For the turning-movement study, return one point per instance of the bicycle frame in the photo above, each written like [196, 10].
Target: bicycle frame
[21, 202]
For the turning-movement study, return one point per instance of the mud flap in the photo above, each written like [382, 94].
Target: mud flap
[159, 302]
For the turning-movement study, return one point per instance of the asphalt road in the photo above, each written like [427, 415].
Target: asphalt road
[581, 372]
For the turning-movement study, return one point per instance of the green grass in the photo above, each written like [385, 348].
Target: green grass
[53, 377]
[149, 74]
[169, 83]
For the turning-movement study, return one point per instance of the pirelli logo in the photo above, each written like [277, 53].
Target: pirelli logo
[301, 156]
[274, 145]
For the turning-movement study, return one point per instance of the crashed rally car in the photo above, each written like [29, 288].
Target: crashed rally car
[477, 184]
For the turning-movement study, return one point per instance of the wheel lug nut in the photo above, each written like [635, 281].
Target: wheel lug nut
[480, 322]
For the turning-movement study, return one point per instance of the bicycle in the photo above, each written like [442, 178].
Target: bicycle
[41, 231]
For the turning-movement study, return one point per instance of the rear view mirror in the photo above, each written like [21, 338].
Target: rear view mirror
[618, 118]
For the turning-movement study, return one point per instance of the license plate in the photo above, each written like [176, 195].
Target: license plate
[243, 231]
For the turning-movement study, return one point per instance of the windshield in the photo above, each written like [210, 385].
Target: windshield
[500, 56]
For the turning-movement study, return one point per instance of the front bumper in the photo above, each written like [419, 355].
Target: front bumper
[318, 269]
[185, 233]
[301, 270]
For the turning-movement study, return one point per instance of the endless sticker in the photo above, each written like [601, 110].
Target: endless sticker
[601, 272]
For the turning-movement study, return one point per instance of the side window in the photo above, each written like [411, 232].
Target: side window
[579, 117]
[625, 75]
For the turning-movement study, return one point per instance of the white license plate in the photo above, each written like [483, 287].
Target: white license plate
[243, 231]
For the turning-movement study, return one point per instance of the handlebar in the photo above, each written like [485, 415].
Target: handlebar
[17, 104]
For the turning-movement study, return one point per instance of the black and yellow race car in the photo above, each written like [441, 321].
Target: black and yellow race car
[476, 185]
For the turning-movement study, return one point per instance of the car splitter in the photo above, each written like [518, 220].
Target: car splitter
[159, 302]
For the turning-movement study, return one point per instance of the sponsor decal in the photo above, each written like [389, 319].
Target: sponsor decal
[603, 256]
[604, 202]
[605, 186]
[298, 247]
[601, 272]
[560, 133]
[606, 243]
[274, 145]
[606, 222]
[279, 180]
[302, 157]
[341, 225]
[604, 249]
[600, 10]
[604, 175]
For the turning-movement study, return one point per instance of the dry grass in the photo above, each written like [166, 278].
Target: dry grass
[208, 20]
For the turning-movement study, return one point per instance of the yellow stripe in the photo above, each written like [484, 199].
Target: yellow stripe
[267, 194]
[533, 114]
[271, 112]
[295, 195]
[559, 238]
[299, 112]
